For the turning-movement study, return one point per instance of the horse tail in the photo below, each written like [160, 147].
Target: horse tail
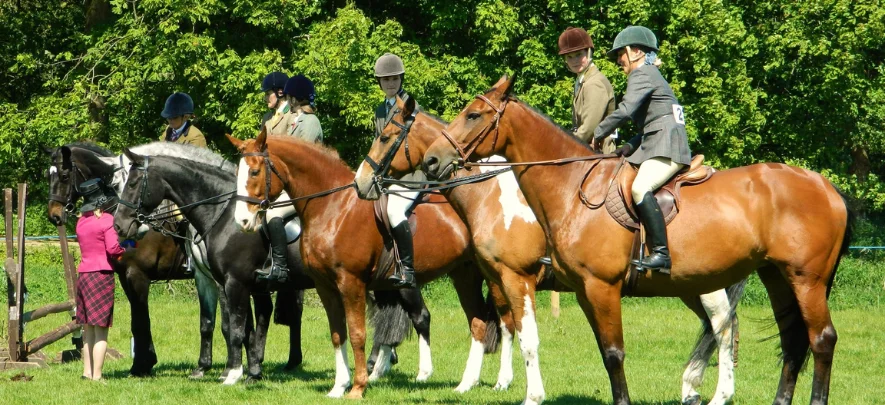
[846, 239]
[493, 325]
[706, 342]
[390, 320]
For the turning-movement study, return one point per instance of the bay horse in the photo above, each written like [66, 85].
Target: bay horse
[157, 258]
[342, 245]
[508, 242]
[788, 224]
[186, 174]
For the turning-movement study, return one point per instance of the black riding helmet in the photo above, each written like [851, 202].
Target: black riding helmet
[274, 81]
[178, 104]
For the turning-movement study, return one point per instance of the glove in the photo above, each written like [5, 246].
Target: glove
[624, 150]
[128, 244]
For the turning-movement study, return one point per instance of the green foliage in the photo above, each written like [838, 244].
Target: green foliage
[795, 82]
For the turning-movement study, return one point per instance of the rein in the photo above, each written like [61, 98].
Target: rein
[475, 142]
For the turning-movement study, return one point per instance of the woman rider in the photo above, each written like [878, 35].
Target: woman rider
[272, 86]
[390, 72]
[661, 149]
[300, 121]
[178, 112]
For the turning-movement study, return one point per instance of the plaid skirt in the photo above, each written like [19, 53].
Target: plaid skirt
[95, 298]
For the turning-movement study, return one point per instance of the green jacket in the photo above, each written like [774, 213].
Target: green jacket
[307, 127]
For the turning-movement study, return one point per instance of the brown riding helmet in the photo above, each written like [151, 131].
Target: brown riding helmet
[574, 39]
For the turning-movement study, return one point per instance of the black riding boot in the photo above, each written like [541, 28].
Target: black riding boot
[279, 269]
[404, 274]
[655, 235]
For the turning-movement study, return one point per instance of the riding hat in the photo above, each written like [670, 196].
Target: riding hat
[574, 39]
[273, 81]
[389, 65]
[301, 88]
[633, 35]
[178, 104]
[92, 191]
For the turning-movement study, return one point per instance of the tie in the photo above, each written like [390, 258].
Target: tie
[577, 86]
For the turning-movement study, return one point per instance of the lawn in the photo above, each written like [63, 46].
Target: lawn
[659, 335]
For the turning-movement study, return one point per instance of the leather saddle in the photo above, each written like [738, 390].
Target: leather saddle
[619, 199]
[390, 254]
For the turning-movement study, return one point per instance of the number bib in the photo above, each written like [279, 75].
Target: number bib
[678, 114]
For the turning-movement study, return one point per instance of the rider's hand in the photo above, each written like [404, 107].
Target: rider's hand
[625, 150]
[594, 144]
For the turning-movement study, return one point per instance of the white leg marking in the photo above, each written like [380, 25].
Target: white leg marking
[505, 374]
[717, 307]
[473, 368]
[511, 205]
[233, 376]
[530, 343]
[382, 364]
[425, 362]
[243, 217]
[342, 373]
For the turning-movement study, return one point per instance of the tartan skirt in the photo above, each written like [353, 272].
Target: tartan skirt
[95, 298]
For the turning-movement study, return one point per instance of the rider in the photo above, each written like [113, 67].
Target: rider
[390, 73]
[178, 112]
[593, 98]
[272, 86]
[661, 149]
[300, 121]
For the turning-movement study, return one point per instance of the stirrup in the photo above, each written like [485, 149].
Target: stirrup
[273, 275]
[403, 279]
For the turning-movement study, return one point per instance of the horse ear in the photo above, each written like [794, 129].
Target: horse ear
[48, 150]
[66, 158]
[507, 83]
[408, 107]
[235, 142]
[135, 158]
[261, 140]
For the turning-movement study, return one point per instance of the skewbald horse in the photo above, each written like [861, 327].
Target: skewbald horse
[788, 224]
[508, 242]
[341, 243]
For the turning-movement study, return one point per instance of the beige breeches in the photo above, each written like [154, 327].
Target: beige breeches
[653, 174]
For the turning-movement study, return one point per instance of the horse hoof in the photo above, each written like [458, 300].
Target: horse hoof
[465, 386]
[251, 379]
[501, 386]
[139, 373]
[692, 400]
[336, 392]
[233, 376]
[197, 374]
[354, 394]
[291, 366]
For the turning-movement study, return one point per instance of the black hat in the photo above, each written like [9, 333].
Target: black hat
[93, 195]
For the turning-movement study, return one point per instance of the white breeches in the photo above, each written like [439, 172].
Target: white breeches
[653, 174]
[398, 204]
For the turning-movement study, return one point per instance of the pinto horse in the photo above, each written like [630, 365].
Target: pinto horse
[342, 245]
[508, 242]
[157, 258]
[788, 224]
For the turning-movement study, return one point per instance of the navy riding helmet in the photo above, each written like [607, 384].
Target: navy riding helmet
[301, 88]
[273, 81]
[178, 104]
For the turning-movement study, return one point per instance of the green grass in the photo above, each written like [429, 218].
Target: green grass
[659, 334]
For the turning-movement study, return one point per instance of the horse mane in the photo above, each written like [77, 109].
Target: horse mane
[550, 120]
[92, 147]
[436, 118]
[187, 152]
[321, 149]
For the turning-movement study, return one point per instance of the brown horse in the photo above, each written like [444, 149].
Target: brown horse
[341, 244]
[788, 224]
[508, 242]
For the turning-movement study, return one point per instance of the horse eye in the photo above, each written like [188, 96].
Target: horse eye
[384, 138]
[473, 116]
[253, 172]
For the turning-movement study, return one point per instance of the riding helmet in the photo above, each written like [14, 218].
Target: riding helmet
[274, 81]
[301, 88]
[574, 39]
[389, 65]
[633, 35]
[178, 104]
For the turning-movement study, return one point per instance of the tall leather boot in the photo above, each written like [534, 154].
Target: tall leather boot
[655, 235]
[279, 269]
[404, 274]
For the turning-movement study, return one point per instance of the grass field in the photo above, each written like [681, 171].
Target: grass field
[659, 334]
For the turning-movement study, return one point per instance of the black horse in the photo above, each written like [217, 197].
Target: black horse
[201, 183]
[158, 257]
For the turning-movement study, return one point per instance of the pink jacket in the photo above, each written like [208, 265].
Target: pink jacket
[98, 242]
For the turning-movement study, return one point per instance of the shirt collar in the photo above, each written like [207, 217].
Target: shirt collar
[179, 130]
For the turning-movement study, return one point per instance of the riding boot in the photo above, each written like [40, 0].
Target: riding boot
[655, 235]
[279, 269]
[404, 274]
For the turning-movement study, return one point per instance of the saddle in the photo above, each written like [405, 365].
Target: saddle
[619, 200]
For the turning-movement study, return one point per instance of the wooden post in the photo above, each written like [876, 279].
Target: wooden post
[47, 310]
[12, 275]
[42, 341]
[20, 272]
[68, 263]
[554, 303]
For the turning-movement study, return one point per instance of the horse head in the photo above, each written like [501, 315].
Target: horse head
[62, 192]
[395, 152]
[139, 198]
[255, 186]
[473, 134]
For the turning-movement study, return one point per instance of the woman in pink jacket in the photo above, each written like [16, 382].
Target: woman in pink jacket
[95, 286]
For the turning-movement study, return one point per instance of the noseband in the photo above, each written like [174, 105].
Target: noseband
[263, 205]
[140, 215]
[473, 144]
[383, 167]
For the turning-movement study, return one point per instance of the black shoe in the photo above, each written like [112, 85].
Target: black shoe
[279, 269]
[404, 274]
[652, 218]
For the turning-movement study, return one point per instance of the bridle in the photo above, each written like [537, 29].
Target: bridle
[140, 215]
[484, 132]
[73, 189]
[265, 204]
[381, 168]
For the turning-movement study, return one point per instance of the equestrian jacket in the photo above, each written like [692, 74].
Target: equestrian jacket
[280, 121]
[592, 101]
[307, 127]
[384, 112]
[650, 103]
[98, 242]
[191, 135]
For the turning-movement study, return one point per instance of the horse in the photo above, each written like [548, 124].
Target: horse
[157, 258]
[343, 246]
[508, 243]
[753, 218]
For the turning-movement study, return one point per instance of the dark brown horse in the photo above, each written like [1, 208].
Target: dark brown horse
[341, 244]
[508, 242]
[788, 224]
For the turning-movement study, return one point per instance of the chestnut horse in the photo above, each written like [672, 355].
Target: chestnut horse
[341, 244]
[508, 242]
[788, 224]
